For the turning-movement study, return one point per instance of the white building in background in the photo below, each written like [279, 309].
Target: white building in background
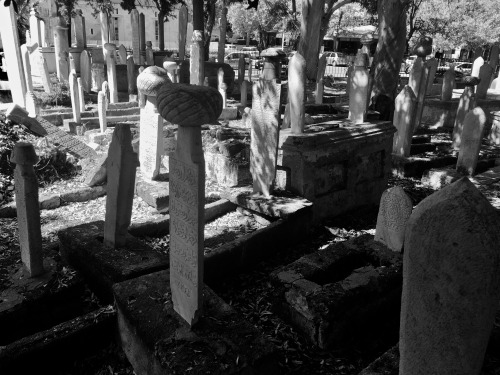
[119, 25]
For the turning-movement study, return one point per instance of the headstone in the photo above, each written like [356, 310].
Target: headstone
[448, 84]
[44, 73]
[196, 69]
[97, 72]
[470, 144]
[111, 66]
[350, 69]
[296, 89]
[485, 73]
[35, 28]
[150, 60]
[132, 79]
[85, 71]
[183, 21]
[13, 60]
[101, 110]
[105, 90]
[61, 52]
[79, 29]
[64, 65]
[393, 213]
[319, 79]
[494, 55]
[28, 212]
[478, 52]
[121, 167]
[142, 37]
[72, 66]
[404, 112]
[222, 86]
[450, 282]
[476, 66]
[122, 53]
[358, 92]
[433, 65]
[241, 71]
[244, 93]
[266, 102]
[464, 105]
[418, 82]
[80, 94]
[161, 31]
[104, 21]
[136, 46]
[75, 97]
[25, 56]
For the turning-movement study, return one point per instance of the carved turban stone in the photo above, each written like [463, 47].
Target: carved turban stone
[151, 79]
[189, 105]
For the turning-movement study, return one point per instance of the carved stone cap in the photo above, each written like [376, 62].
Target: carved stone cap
[189, 105]
[470, 81]
[273, 52]
[24, 154]
[151, 79]
[423, 46]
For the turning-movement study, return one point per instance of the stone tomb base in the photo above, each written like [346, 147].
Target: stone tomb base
[82, 247]
[157, 341]
[347, 294]
[154, 193]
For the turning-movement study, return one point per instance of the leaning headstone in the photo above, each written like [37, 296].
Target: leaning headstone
[476, 66]
[266, 101]
[470, 144]
[404, 112]
[121, 167]
[183, 21]
[485, 73]
[451, 286]
[464, 105]
[79, 30]
[151, 123]
[358, 92]
[28, 211]
[319, 79]
[448, 84]
[196, 68]
[393, 213]
[122, 53]
[101, 110]
[150, 60]
[75, 97]
[433, 65]
[136, 45]
[199, 105]
[296, 89]
[132, 79]
[13, 60]
[222, 86]
[111, 67]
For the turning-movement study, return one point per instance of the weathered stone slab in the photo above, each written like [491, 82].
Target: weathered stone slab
[394, 211]
[151, 143]
[470, 144]
[122, 53]
[44, 74]
[154, 193]
[450, 282]
[448, 84]
[85, 70]
[405, 106]
[358, 92]
[485, 74]
[466, 100]
[296, 90]
[476, 66]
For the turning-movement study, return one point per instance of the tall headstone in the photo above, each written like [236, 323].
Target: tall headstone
[433, 65]
[35, 28]
[319, 79]
[222, 35]
[296, 89]
[61, 51]
[104, 21]
[419, 76]
[85, 70]
[140, 96]
[265, 114]
[405, 106]
[222, 86]
[150, 59]
[111, 67]
[495, 55]
[448, 84]
[476, 66]
[151, 123]
[122, 53]
[29, 100]
[470, 144]
[79, 29]
[187, 192]
[451, 283]
[393, 213]
[132, 79]
[75, 97]
[485, 73]
[196, 66]
[81, 94]
[101, 110]
[13, 60]
[241, 70]
[183, 21]
[244, 93]
[136, 44]
[98, 77]
[44, 74]
[142, 37]
[161, 31]
[358, 92]
[121, 166]
[28, 212]
[465, 104]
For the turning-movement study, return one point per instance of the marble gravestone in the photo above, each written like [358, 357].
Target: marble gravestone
[122, 53]
[358, 90]
[136, 45]
[465, 104]
[471, 136]
[85, 71]
[296, 90]
[395, 210]
[448, 84]
[485, 75]
[404, 112]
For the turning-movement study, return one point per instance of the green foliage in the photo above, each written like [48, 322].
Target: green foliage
[167, 7]
[60, 95]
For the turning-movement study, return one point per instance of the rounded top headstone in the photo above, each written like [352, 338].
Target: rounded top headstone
[470, 81]
[273, 52]
[367, 38]
[151, 79]
[423, 46]
[149, 44]
[110, 46]
[24, 154]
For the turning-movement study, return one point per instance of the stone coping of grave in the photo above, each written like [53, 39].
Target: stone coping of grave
[437, 102]
[330, 293]
[345, 132]
[275, 206]
[156, 340]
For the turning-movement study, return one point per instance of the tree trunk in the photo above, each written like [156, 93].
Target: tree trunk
[389, 54]
[312, 12]
[222, 32]
[209, 25]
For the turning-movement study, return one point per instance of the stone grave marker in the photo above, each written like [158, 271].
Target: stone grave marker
[319, 79]
[98, 77]
[101, 110]
[476, 66]
[171, 67]
[35, 28]
[136, 45]
[470, 144]
[222, 86]
[121, 167]
[13, 60]
[183, 21]
[104, 22]
[72, 66]
[81, 94]
[79, 29]
[61, 51]
[132, 79]
[296, 89]
[404, 111]
[142, 37]
[44, 74]
[241, 70]
[358, 92]
[394, 211]
[111, 67]
[494, 55]
[187, 191]
[196, 68]
[105, 90]
[485, 73]
[244, 93]
[75, 97]
[64, 65]
[150, 59]
[450, 282]
[419, 76]
[151, 123]
[464, 105]
[29, 100]
[266, 100]
[448, 84]
[141, 97]
[433, 65]
[122, 53]
[27, 205]
[85, 71]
